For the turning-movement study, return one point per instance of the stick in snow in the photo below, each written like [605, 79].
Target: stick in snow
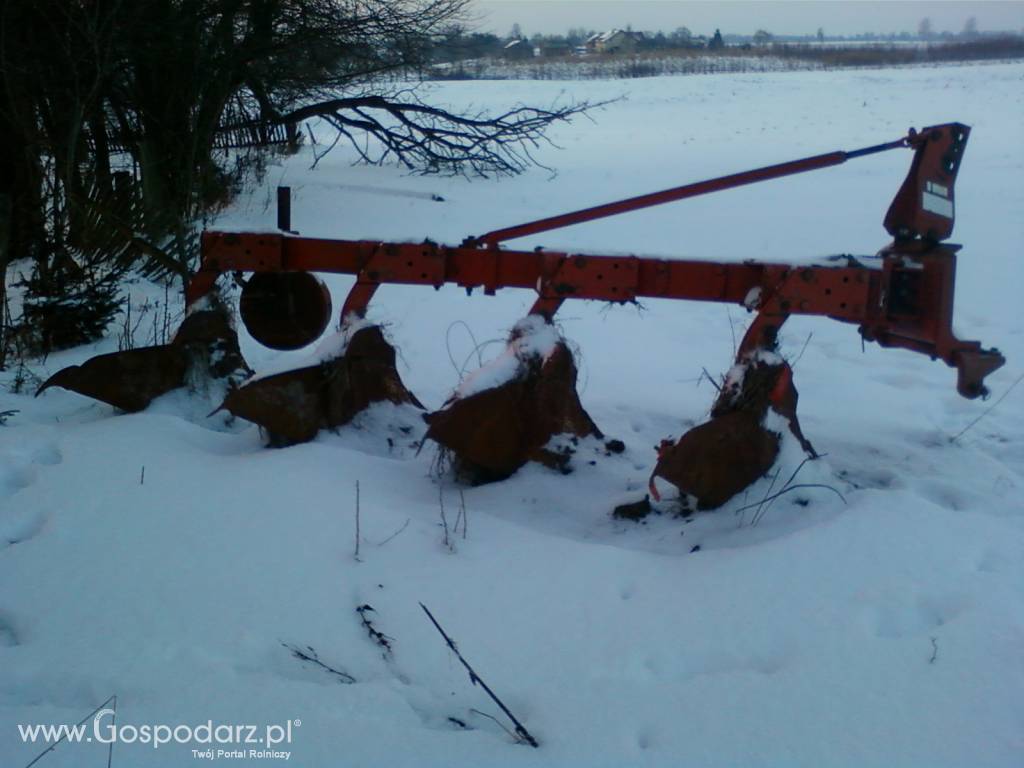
[988, 410]
[356, 556]
[474, 678]
[112, 701]
[448, 543]
[462, 516]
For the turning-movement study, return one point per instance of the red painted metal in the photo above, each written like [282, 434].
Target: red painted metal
[679, 193]
[903, 299]
[923, 207]
[659, 198]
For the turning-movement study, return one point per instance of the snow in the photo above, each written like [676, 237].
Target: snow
[531, 338]
[330, 346]
[165, 559]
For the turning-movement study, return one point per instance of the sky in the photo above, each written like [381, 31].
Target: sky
[747, 16]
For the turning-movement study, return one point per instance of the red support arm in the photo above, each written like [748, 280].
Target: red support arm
[679, 193]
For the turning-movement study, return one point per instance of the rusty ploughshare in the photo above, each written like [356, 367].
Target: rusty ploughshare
[494, 431]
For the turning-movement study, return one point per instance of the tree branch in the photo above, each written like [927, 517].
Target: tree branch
[432, 139]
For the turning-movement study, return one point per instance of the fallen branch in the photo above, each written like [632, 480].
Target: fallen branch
[492, 717]
[396, 533]
[771, 487]
[110, 752]
[760, 513]
[310, 655]
[793, 488]
[766, 503]
[988, 410]
[474, 678]
[802, 350]
[705, 374]
[376, 635]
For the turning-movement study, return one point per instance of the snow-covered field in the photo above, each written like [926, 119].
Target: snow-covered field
[166, 559]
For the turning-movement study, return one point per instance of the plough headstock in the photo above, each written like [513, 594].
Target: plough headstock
[923, 207]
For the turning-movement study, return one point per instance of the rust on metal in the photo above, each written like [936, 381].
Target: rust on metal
[493, 433]
[901, 298]
[292, 407]
[923, 207]
[129, 380]
[854, 291]
[285, 310]
[205, 345]
[869, 293]
[716, 460]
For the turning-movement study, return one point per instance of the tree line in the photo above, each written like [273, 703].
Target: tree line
[117, 120]
[460, 43]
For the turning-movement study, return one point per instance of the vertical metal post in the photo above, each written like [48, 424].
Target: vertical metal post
[284, 209]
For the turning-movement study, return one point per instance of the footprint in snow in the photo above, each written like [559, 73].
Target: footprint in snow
[918, 615]
[20, 467]
[14, 477]
[877, 479]
[8, 634]
[19, 525]
[47, 455]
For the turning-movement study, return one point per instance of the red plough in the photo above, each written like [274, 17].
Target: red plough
[901, 298]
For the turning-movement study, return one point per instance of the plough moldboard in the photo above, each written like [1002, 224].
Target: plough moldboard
[903, 298]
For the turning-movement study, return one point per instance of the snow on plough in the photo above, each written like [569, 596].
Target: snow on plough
[529, 410]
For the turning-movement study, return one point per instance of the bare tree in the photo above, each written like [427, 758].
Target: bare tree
[160, 82]
[681, 36]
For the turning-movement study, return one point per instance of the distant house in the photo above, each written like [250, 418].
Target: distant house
[517, 49]
[615, 41]
[554, 48]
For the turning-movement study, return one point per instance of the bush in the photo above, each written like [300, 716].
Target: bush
[71, 309]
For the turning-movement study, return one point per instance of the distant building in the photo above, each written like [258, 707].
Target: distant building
[615, 41]
[517, 49]
[554, 48]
